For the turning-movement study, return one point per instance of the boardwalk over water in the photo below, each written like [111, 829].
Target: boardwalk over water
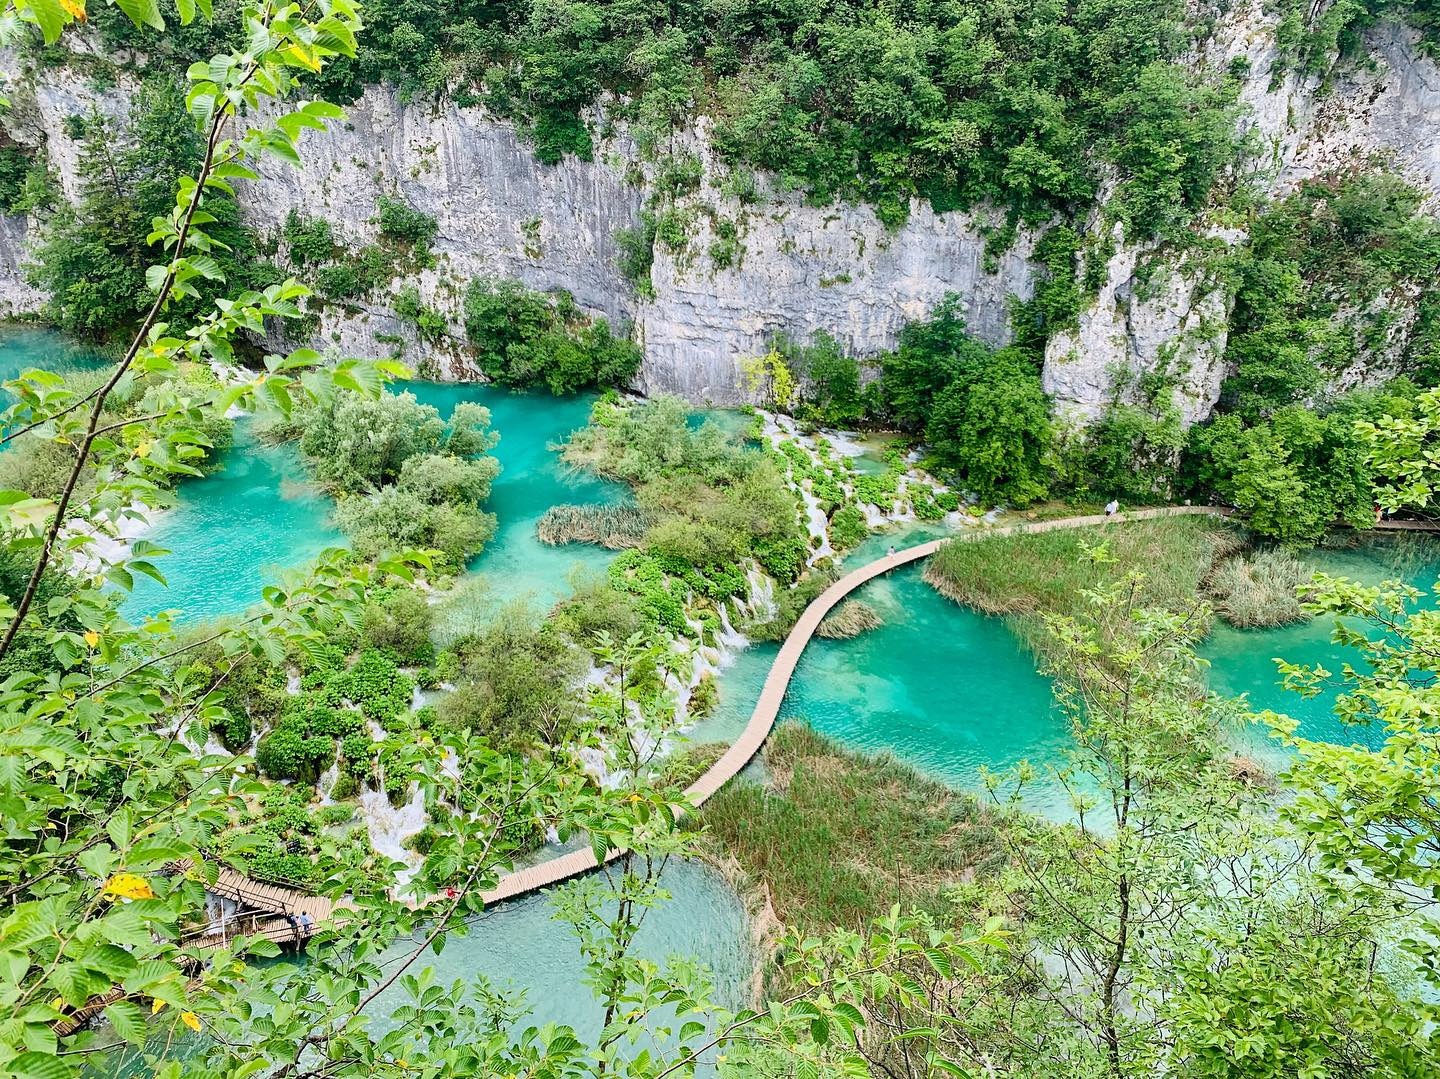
[772, 695]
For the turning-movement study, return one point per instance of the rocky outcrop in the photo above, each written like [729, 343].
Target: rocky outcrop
[1160, 312]
[781, 266]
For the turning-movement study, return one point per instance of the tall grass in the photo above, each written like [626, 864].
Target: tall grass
[851, 618]
[844, 835]
[1259, 588]
[1029, 576]
[615, 527]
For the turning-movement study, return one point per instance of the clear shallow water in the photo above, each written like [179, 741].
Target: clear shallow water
[519, 945]
[233, 531]
[944, 689]
[532, 478]
[230, 532]
[1243, 661]
[24, 347]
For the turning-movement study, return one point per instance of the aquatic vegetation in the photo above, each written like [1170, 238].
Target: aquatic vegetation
[518, 681]
[1049, 573]
[841, 835]
[848, 527]
[615, 527]
[403, 477]
[850, 619]
[1259, 588]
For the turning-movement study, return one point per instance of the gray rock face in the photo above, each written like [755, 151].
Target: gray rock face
[796, 269]
[803, 269]
[1176, 324]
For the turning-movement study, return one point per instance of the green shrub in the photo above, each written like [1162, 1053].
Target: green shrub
[847, 527]
[308, 240]
[401, 221]
[528, 338]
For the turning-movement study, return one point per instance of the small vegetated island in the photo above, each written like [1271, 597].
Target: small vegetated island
[378, 742]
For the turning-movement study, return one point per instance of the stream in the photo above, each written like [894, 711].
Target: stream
[944, 689]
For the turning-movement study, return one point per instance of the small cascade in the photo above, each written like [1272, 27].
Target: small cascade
[593, 759]
[389, 826]
[450, 763]
[213, 747]
[417, 698]
[292, 684]
[730, 639]
[326, 783]
[760, 601]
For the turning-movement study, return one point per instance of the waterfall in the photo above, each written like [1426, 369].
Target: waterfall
[760, 601]
[389, 826]
[326, 782]
[218, 912]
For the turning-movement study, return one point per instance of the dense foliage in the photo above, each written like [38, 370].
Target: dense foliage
[983, 414]
[403, 477]
[714, 502]
[1341, 270]
[527, 338]
[92, 260]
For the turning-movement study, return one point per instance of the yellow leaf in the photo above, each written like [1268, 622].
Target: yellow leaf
[191, 1020]
[58, 1003]
[92, 638]
[155, 1008]
[75, 7]
[129, 886]
[142, 450]
[303, 57]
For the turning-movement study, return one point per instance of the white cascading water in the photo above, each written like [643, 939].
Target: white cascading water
[326, 783]
[760, 601]
[389, 826]
[218, 911]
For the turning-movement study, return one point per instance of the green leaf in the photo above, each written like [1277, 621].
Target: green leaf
[128, 1020]
[142, 12]
[33, 1065]
[50, 17]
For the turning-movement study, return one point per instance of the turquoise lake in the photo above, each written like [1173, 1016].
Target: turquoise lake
[232, 531]
[946, 690]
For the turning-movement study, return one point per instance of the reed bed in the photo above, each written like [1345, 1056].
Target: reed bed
[1260, 589]
[617, 528]
[1048, 573]
[842, 835]
[851, 618]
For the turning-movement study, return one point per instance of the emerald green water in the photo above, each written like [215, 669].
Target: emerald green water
[1243, 661]
[23, 347]
[233, 531]
[532, 479]
[520, 945]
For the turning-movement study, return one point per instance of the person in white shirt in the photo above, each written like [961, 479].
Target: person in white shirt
[1112, 507]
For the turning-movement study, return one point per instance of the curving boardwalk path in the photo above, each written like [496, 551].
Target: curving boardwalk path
[772, 695]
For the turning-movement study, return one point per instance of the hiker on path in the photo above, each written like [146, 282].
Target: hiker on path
[1112, 507]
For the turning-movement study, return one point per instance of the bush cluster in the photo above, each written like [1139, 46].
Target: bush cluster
[403, 477]
[528, 338]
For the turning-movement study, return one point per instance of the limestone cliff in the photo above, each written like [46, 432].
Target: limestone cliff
[788, 267]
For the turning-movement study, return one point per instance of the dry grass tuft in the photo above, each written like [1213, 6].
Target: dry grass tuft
[850, 619]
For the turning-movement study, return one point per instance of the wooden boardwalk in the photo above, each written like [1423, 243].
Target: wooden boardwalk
[767, 708]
